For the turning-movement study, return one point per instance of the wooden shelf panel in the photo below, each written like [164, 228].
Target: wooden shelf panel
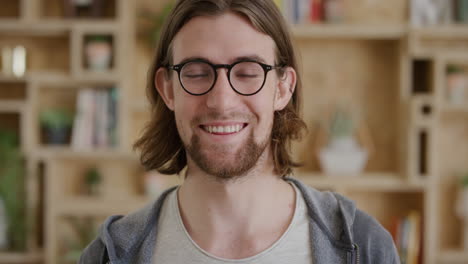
[54, 27]
[331, 31]
[368, 181]
[12, 258]
[15, 106]
[444, 31]
[67, 152]
[452, 108]
[453, 256]
[99, 207]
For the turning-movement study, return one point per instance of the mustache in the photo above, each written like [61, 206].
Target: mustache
[218, 116]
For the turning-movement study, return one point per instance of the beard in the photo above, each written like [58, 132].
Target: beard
[220, 161]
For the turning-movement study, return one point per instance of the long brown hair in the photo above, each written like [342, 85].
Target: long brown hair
[160, 145]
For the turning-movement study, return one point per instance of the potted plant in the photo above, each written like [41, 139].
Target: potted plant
[92, 181]
[98, 52]
[341, 154]
[462, 206]
[56, 126]
[456, 85]
[12, 194]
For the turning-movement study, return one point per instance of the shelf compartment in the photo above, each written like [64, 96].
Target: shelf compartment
[43, 53]
[121, 178]
[81, 36]
[389, 208]
[53, 9]
[10, 9]
[339, 73]
[88, 131]
[11, 122]
[13, 90]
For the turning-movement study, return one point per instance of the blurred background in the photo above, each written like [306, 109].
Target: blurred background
[385, 99]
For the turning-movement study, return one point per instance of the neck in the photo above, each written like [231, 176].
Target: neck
[218, 214]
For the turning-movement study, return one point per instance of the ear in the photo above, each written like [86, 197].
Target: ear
[163, 84]
[285, 88]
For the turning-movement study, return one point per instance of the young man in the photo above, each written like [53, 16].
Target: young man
[225, 95]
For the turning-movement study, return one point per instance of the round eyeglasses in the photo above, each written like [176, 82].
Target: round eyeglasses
[198, 77]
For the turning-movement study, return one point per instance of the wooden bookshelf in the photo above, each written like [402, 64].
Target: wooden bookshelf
[392, 72]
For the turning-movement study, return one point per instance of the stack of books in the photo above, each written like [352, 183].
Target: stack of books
[95, 124]
[311, 11]
[407, 234]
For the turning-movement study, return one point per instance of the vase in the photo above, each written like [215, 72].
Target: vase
[342, 157]
[56, 135]
[98, 55]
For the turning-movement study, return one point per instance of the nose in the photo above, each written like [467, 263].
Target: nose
[222, 96]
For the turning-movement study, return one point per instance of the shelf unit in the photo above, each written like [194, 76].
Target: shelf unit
[392, 73]
[55, 74]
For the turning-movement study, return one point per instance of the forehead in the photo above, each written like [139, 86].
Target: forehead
[222, 39]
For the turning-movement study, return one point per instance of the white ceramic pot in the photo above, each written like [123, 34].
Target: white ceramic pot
[343, 157]
[98, 55]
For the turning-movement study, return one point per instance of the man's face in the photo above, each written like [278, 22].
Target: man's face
[225, 134]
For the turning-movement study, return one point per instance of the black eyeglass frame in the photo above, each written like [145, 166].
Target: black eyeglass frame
[266, 68]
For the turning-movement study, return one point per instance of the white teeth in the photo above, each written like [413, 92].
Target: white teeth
[223, 129]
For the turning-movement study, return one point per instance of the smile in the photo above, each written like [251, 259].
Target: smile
[228, 129]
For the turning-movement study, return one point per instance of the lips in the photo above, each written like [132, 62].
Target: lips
[224, 129]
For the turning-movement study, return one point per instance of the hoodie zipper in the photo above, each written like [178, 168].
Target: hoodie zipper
[356, 248]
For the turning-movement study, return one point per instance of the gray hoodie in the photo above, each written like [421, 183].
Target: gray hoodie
[340, 233]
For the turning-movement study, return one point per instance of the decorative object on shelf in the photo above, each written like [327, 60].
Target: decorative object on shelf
[456, 85]
[3, 226]
[85, 231]
[462, 11]
[461, 207]
[334, 11]
[151, 23]
[339, 151]
[77, 8]
[92, 182]
[14, 61]
[98, 52]
[431, 12]
[56, 126]
[12, 190]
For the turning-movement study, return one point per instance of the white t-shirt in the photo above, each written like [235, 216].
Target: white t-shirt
[174, 244]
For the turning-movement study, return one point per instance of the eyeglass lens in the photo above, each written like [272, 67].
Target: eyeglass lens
[245, 77]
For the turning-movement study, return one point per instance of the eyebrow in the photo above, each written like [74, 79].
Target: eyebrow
[240, 58]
